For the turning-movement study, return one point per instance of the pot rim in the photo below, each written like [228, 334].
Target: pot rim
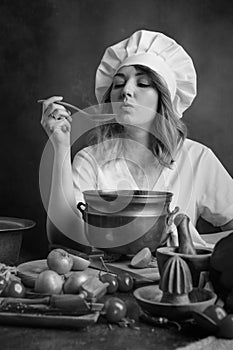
[17, 224]
[126, 193]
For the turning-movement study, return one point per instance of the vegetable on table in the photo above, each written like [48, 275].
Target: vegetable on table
[142, 259]
[111, 280]
[60, 261]
[49, 282]
[10, 283]
[125, 282]
[115, 309]
[74, 281]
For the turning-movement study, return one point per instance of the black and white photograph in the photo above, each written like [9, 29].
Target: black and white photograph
[116, 181]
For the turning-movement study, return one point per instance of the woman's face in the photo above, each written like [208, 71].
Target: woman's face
[133, 97]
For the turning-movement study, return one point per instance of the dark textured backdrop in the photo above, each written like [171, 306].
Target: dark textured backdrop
[53, 47]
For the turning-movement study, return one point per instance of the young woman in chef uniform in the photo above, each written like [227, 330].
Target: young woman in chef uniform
[149, 80]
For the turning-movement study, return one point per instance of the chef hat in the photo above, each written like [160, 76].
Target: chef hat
[158, 52]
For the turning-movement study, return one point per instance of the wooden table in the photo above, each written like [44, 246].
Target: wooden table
[102, 336]
[99, 336]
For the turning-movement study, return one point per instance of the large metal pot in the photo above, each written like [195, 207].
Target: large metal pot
[126, 221]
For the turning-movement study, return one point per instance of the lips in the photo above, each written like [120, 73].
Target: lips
[126, 106]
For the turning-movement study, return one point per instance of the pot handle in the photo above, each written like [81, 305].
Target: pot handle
[171, 215]
[81, 207]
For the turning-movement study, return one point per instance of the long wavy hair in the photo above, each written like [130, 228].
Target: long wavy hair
[167, 134]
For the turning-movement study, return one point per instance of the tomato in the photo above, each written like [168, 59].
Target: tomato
[115, 309]
[49, 282]
[216, 313]
[125, 282]
[112, 280]
[60, 261]
[74, 281]
[226, 327]
[15, 289]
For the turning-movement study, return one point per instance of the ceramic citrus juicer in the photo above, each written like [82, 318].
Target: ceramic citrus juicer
[176, 282]
[177, 295]
[198, 259]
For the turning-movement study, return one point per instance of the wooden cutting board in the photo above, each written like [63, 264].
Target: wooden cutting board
[149, 274]
[29, 271]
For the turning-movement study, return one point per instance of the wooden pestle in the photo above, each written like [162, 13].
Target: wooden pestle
[186, 245]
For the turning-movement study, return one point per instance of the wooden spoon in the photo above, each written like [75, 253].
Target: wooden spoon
[95, 116]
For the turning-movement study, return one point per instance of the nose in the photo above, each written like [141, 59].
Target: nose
[127, 90]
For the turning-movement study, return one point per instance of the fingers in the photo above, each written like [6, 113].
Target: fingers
[51, 100]
[55, 117]
[57, 112]
[61, 124]
[53, 110]
[56, 125]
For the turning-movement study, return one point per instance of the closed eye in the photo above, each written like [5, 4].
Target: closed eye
[116, 86]
[144, 85]
[143, 82]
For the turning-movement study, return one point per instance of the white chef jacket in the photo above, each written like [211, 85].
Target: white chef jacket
[200, 184]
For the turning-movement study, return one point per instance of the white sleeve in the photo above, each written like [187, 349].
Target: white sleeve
[84, 170]
[215, 190]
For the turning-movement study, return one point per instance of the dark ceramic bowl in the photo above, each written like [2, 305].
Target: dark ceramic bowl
[149, 297]
[11, 232]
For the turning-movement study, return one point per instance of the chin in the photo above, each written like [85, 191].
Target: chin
[124, 119]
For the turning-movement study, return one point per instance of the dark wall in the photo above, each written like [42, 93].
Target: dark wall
[52, 47]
